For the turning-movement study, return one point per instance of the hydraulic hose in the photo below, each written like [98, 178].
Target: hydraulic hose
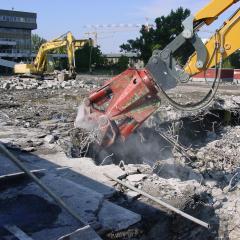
[207, 100]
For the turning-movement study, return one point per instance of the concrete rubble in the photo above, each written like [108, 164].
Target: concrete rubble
[36, 124]
[222, 154]
[26, 83]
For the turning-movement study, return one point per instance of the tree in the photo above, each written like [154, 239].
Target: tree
[37, 41]
[122, 64]
[234, 60]
[88, 57]
[167, 27]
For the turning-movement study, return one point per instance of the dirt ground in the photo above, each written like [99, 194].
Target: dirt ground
[190, 160]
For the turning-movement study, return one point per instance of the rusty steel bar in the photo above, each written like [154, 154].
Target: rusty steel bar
[162, 203]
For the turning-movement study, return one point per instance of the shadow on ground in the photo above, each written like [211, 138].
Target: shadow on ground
[32, 213]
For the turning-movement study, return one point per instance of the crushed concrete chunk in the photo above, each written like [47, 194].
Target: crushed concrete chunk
[136, 177]
[90, 205]
[132, 195]
[49, 139]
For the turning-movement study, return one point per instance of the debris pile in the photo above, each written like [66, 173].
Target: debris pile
[189, 196]
[222, 154]
[18, 83]
[228, 210]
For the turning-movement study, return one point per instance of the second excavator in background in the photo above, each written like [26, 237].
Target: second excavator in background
[123, 103]
[39, 66]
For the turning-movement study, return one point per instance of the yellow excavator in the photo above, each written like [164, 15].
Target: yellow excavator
[123, 103]
[39, 66]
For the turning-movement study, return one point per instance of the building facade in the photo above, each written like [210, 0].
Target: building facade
[15, 33]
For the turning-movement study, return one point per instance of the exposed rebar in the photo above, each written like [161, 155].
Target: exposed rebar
[162, 203]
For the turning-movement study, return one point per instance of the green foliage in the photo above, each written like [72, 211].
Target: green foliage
[227, 63]
[37, 41]
[234, 60]
[167, 27]
[122, 64]
[88, 57]
[57, 64]
[61, 50]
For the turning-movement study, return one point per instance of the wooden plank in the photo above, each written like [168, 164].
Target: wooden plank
[17, 232]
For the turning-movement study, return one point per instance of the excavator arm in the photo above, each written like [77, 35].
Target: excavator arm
[123, 103]
[226, 38]
[212, 11]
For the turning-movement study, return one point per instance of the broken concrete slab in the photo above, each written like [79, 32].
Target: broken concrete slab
[89, 174]
[90, 205]
[9, 167]
[49, 139]
[51, 161]
[116, 218]
[171, 168]
[22, 138]
[83, 201]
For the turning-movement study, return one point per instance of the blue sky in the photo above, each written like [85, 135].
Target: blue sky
[56, 17]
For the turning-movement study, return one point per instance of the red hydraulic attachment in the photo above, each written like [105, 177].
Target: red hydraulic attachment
[121, 105]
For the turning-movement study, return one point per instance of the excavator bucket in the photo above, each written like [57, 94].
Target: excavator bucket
[119, 107]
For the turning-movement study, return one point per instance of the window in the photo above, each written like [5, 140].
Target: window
[17, 19]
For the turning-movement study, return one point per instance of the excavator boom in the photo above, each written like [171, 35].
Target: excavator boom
[212, 10]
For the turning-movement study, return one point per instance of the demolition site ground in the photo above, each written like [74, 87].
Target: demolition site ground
[190, 160]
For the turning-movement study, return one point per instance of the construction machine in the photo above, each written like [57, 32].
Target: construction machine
[124, 102]
[38, 67]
